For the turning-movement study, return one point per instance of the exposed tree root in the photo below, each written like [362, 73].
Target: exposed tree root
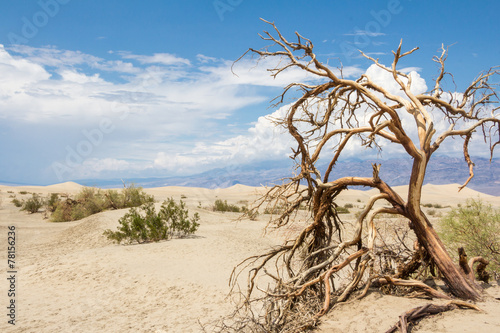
[414, 315]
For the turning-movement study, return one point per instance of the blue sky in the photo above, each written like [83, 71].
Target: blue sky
[117, 88]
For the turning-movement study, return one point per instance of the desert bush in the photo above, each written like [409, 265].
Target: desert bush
[342, 210]
[52, 202]
[91, 201]
[250, 213]
[172, 220]
[475, 227]
[348, 205]
[23, 192]
[17, 202]
[223, 206]
[429, 205]
[33, 204]
[134, 196]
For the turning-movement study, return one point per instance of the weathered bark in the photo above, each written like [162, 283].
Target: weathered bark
[459, 285]
[416, 314]
[481, 272]
[456, 280]
[464, 265]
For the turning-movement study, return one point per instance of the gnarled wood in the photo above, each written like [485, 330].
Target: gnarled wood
[414, 315]
[332, 112]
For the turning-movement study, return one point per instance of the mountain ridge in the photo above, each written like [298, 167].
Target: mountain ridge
[441, 170]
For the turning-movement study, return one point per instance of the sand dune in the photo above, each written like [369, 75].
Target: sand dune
[72, 279]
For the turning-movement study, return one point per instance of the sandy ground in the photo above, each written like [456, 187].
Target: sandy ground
[70, 278]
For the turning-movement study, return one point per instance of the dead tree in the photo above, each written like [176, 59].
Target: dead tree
[323, 119]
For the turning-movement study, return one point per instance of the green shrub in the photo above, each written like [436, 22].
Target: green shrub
[475, 227]
[134, 197]
[17, 202]
[91, 201]
[63, 211]
[33, 204]
[223, 206]
[23, 192]
[172, 220]
[252, 214]
[429, 205]
[348, 205]
[342, 210]
[52, 202]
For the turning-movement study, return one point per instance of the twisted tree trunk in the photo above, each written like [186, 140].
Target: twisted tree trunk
[456, 280]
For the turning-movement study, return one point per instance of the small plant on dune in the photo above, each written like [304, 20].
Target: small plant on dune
[342, 210]
[52, 201]
[223, 206]
[475, 227]
[134, 196]
[33, 204]
[429, 205]
[251, 214]
[91, 201]
[23, 192]
[18, 203]
[171, 221]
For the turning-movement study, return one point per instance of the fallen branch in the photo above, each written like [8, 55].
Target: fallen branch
[481, 272]
[412, 283]
[414, 315]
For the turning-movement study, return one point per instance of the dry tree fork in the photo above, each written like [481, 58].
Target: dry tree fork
[330, 114]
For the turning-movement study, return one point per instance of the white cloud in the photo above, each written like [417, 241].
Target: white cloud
[157, 58]
[167, 113]
[359, 32]
[253, 72]
[73, 76]
[17, 75]
[385, 79]
[263, 141]
[205, 59]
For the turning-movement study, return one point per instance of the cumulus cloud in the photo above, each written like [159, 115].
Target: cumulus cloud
[157, 58]
[164, 113]
[263, 141]
[249, 71]
[266, 141]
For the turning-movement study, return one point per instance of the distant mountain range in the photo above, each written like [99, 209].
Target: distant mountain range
[441, 170]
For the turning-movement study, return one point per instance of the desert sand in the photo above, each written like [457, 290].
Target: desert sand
[72, 279]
